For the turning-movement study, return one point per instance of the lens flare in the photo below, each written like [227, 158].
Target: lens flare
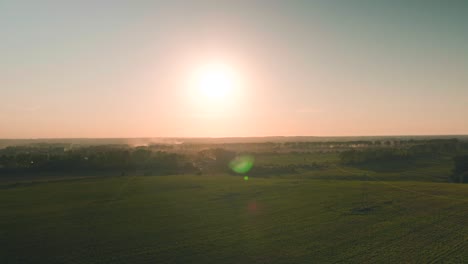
[242, 164]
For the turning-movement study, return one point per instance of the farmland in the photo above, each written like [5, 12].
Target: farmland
[223, 218]
[113, 204]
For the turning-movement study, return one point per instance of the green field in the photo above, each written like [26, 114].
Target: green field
[225, 219]
[427, 169]
[296, 158]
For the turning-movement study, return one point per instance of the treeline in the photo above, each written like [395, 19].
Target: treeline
[371, 155]
[303, 146]
[460, 171]
[426, 148]
[217, 160]
[103, 158]
[163, 159]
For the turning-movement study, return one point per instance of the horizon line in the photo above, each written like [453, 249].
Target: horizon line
[231, 137]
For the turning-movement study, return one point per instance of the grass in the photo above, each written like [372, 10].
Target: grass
[225, 219]
[436, 169]
[295, 158]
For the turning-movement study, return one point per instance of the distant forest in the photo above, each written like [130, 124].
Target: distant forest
[192, 158]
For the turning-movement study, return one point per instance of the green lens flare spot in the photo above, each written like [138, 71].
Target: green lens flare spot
[242, 164]
[246, 178]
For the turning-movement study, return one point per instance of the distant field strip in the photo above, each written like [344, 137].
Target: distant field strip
[401, 188]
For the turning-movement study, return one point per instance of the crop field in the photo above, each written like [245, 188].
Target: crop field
[225, 219]
[427, 169]
[296, 158]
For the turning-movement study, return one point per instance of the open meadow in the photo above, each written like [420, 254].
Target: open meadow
[226, 219]
[387, 201]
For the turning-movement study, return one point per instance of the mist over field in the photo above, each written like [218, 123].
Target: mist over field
[212, 140]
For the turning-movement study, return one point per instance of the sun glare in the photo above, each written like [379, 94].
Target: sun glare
[216, 81]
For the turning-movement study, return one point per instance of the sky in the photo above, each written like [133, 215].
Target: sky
[75, 69]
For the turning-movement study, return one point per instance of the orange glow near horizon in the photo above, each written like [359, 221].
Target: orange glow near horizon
[191, 69]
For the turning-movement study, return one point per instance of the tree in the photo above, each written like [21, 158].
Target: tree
[460, 171]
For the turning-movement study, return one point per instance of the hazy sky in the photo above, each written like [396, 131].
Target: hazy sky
[324, 68]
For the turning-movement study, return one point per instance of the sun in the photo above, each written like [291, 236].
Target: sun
[215, 81]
